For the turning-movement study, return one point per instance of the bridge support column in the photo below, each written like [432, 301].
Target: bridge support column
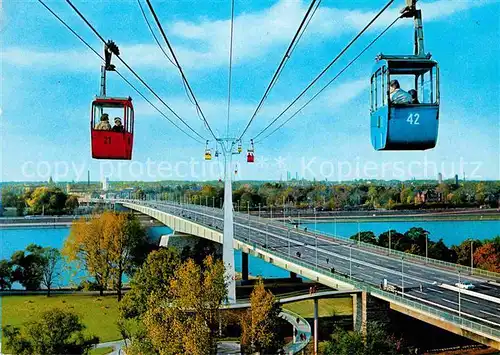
[364, 317]
[315, 326]
[244, 266]
[293, 275]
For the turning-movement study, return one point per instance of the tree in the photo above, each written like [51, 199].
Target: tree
[5, 275]
[260, 322]
[487, 257]
[27, 267]
[365, 237]
[56, 332]
[463, 251]
[377, 342]
[88, 246]
[51, 258]
[107, 246]
[186, 322]
[47, 200]
[153, 277]
[71, 204]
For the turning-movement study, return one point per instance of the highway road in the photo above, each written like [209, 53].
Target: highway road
[413, 280]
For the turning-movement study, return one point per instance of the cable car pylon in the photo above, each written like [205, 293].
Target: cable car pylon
[227, 150]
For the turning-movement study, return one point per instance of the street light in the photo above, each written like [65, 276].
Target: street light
[284, 212]
[315, 221]
[350, 261]
[316, 245]
[426, 249]
[359, 235]
[471, 256]
[389, 240]
[288, 237]
[459, 296]
[402, 277]
[259, 211]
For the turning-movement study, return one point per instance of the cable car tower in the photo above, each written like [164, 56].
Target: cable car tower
[405, 119]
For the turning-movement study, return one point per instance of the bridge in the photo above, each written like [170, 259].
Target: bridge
[418, 287]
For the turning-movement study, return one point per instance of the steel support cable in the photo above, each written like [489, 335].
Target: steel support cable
[116, 71]
[332, 80]
[134, 72]
[286, 56]
[230, 67]
[298, 40]
[179, 66]
[163, 50]
[326, 68]
[153, 33]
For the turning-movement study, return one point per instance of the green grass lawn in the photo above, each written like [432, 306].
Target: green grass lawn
[101, 351]
[99, 314]
[327, 307]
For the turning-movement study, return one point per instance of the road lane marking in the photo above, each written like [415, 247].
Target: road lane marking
[490, 314]
[466, 299]
[434, 290]
[444, 299]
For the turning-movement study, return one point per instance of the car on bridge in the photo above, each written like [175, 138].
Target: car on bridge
[466, 285]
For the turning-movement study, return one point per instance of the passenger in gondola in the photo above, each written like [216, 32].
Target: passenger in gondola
[398, 95]
[118, 127]
[414, 96]
[103, 125]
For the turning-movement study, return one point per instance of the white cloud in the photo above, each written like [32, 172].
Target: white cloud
[205, 44]
[345, 92]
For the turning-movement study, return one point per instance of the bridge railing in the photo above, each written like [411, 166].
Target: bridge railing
[383, 250]
[421, 259]
[444, 315]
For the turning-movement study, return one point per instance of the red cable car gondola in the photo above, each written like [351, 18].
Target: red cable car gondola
[111, 142]
[250, 154]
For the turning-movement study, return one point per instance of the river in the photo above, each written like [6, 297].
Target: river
[452, 232]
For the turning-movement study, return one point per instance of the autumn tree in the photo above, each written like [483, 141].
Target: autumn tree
[107, 247]
[153, 277]
[487, 257]
[55, 331]
[186, 321]
[260, 323]
[463, 251]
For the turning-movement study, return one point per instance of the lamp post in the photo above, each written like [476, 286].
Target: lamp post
[316, 245]
[213, 210]
[459, 296]
[248, 212]
[426, 249]
[389, 240]
[402, 278]
[359, 235]
[271, 209]
[288, 238]
[315, 221]
[259, 211]
[284, 212]
[350, 261]
[471, 256]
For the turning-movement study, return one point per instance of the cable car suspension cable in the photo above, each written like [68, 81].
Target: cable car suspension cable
[116, 71]
[332, 80]
[326, 68]
[295, 40]
[179, 66]
[230, 67]
[134, 72]
[153, 34]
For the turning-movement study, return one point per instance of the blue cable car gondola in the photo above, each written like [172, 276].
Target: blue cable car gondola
[411, 123]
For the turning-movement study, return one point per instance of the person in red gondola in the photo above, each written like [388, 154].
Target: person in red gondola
[103, 125]
[118, 127]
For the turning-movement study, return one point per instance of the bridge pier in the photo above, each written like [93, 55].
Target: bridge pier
[293, 275]
[359, 312]
[244, 266]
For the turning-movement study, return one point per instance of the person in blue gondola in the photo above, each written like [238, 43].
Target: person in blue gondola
[118, 127]
[414, 96]
[398, 95]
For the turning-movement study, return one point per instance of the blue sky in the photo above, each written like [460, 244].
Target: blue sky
[49, 79]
